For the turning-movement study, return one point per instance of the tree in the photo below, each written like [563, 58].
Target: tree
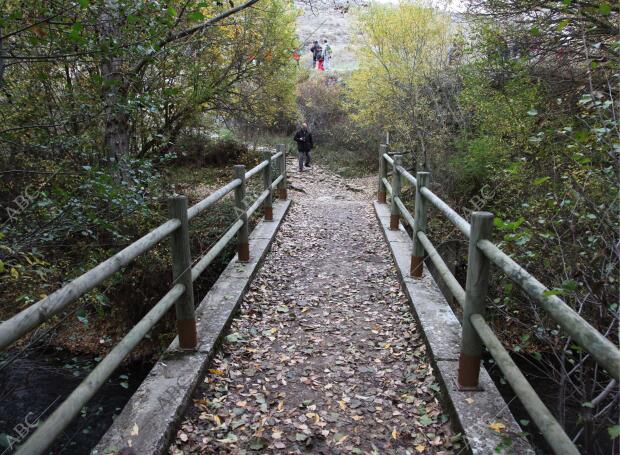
[401, 48]
[96, 69]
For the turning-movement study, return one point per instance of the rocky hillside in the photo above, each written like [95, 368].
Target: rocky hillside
[330, 20]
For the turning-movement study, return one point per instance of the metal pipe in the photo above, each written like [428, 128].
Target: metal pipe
[455, 288]
[256, 169]
[387, 185]
[421, 210]
[216, 249]
[275, 156]
[62, 416]
[382, 175]
[283, 187]
[546, 423]
[476, 289]
[268, 205]
[404, 212]
[603, 350]
[37, 313]
[254, 207]
[243, 245]
[182, 273]
[212, 198]
[276, 182]
[388, 159]
[394, 212]
[454, 217]
[407, 175]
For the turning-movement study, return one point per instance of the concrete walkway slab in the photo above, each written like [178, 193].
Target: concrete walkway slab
[149, 418]
[325, 356]
[473, 411]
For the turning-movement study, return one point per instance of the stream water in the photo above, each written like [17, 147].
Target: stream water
[32, 387]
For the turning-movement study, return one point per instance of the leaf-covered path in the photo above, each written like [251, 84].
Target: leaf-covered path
[324, 356]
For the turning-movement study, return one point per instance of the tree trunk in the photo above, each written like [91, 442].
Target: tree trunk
[116, 137]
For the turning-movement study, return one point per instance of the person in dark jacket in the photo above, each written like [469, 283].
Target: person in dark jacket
[303, 137]
[316, 51]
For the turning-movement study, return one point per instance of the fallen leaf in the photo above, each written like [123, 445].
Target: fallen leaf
[497, 426]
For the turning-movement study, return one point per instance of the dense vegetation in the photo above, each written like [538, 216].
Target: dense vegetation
[107, 107]
[514, 109]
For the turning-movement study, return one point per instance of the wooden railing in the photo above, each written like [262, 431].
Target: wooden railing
[181, 294]
[476, 332]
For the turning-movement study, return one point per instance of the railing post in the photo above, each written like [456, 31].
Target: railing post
[268, 204]
[478, 266]
[382, 174]
[394, 212]
[182, 273]
[243, 247]
[419, 225]
[282, 190]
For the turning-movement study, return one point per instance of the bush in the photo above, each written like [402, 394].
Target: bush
[198, 149]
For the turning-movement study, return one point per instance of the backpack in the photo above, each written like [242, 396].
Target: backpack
[327, 51]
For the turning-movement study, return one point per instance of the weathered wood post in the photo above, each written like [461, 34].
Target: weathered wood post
[419, 225]
[394, 212]
[182, 273]
[282, 190]
[382, 174]
[475, 300]
[243, 247]
[268, 204]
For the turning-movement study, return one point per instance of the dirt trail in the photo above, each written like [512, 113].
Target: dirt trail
[324, 356]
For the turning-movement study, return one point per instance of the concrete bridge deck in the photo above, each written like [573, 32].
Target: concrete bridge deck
[325, 355]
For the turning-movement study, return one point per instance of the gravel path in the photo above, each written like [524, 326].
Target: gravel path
[324, 356]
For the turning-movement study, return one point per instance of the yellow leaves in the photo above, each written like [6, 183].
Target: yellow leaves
[394, 434]
[497, 426]
[202, 404]
[420, 448]
[216, 372]
[315, 416]
[400, 46]
[342, 405]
